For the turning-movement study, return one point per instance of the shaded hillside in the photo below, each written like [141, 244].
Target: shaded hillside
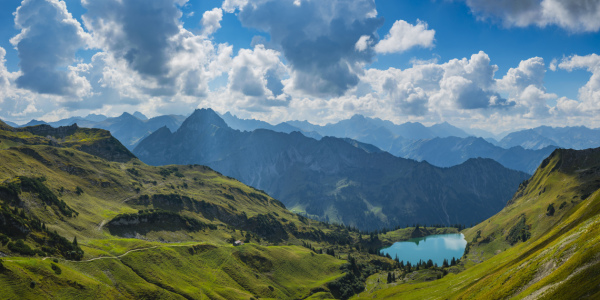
[543, 245]
[334, 180]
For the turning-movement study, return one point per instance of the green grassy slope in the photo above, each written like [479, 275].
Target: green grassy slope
[528, 250]
[149, 232]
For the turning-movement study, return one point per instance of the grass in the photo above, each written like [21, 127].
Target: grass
[563, 251]
[161, 263]
[192, 271]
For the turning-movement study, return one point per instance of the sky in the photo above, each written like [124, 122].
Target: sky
[496, 65]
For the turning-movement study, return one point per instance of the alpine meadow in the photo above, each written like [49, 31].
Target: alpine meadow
[299, 149]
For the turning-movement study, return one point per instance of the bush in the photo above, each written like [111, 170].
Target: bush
[550, 210]
[78, 191]
[519, 232]
[56, 269]
[20, 247]
[4, 239]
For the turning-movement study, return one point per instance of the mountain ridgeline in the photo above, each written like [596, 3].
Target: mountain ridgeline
[336, 180]
[441, 145]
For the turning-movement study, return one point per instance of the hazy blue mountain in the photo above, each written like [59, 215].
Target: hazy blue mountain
[81, 122]
[127, 128]
[451, 151]
[335, 179]
[251, 125]
[33, 122]
[96, 118]
[11, 124]
[140, 116]
[480, 133]
[564, 137]
[130, 130]
[377, 130]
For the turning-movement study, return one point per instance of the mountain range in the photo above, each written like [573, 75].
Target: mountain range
[564, 137]
[127, 128]
[334, 179]
[441, 145]
[83, 218]
[451, 151]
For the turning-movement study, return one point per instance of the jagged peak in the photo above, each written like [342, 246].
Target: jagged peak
[204, 116]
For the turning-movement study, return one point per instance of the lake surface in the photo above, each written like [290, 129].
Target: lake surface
[434, 247]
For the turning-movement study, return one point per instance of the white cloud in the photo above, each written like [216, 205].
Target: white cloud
[47, 44]
[529, 72]
[136, 32]
[211, 21]
[255, 77]
[362, 43]
[525, 84]
[231, 6]
[572, 15]
[403, 36]
[589, 94]
[317, 38]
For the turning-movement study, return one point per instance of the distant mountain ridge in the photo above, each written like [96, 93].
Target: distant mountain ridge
[127, 128]
[442, 145]
[334, 179]
[577, 138]
[451, 151]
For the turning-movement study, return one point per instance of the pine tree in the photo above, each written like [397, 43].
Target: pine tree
[75, 242]
[389, 278]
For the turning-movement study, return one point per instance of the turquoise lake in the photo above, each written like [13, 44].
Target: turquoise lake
[434, 247]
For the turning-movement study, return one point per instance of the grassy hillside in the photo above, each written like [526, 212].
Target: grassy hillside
[544, 245]
[78, 221]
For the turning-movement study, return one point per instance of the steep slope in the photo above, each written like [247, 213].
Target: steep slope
[451, 151]
[565, 137]
[334, 180]
[76, 226]
[544, 244]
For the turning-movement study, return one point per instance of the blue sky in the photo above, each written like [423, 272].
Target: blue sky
[496, 65]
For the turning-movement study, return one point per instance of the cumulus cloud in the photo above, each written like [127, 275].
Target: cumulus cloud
[317, 38]
[363, 43]
[575, 16]
[529, 72]
[138, 32]
[589, 94]
[47, 44]
[256, 77]
[4, 75]
[406, 99]
[459, 84]
[211, 21]
[525, 84]
[403, 36]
